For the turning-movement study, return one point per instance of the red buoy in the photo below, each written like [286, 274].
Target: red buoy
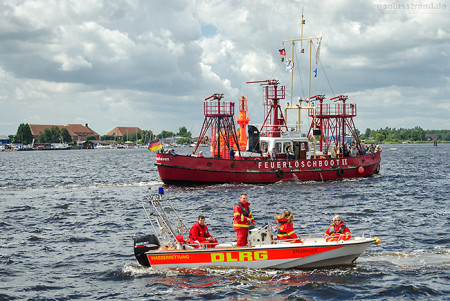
[360, 169]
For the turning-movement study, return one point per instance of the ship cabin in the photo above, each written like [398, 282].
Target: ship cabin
[290, 146]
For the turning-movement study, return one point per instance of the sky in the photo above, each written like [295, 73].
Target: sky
[151, 64]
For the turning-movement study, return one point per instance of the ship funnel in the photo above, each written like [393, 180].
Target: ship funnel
[253, 139]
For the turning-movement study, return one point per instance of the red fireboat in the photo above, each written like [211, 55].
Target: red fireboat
[274, 151]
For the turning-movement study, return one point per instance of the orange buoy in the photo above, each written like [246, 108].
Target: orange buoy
[360, 169]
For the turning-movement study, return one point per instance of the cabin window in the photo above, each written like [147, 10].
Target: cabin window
[303, 146]
[286, 146]
[278, 148]
[264, 146]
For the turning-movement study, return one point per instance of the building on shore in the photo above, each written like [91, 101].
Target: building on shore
[121, 131]
[78, 132]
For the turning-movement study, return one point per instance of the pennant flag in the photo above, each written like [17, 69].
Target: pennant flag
[282, 52]
[318, 52]
[289, 65]
[315, 72]
[154, 145]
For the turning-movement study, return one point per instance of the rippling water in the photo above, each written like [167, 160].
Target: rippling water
[68, 217]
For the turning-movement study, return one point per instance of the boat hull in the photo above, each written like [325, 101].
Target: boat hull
[277, 256]
[179, 169]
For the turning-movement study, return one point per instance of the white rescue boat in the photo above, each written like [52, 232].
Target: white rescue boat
[262, 252]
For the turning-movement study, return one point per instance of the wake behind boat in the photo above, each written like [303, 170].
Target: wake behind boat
[262, 251]
[274, 151]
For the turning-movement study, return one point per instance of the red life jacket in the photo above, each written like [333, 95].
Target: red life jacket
[286, 232]
[337, 232]
[242, 213]
[198, 233]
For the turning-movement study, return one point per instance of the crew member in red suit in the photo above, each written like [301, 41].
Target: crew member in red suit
[286, 231]
[242, 220]
[338, 230]
[199, 235]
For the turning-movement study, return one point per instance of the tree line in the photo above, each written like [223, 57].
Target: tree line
[415, 134]
[56, 135]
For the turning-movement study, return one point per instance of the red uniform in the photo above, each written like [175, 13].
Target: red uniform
[198, 235]
[286, 232]
[338, 232]
[242, 221]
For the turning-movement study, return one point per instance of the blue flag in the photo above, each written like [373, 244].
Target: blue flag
[315, 72]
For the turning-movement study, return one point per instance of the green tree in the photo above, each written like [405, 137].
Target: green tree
[90, 137]
[147, 136]
[66, 136]
[50, 135]
[23, 134]
[165, 134]
[183, 132]
[108, 137]
[135, 136]
[379, 137]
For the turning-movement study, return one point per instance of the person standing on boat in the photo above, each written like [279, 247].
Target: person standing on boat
[332, 152]
[199, 235]
[286, 228]
[231, 153]
[338, 230]
[242, 220]
[289, 153]
[272, 154]
[339, 151]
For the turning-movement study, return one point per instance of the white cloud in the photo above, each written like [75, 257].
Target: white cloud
[146, 63]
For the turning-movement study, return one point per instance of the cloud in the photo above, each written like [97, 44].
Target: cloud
[151, 63]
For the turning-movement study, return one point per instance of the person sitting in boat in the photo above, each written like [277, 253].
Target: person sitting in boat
[199, 235]
[242, 220]
[286, 228]
[200, 154]
[338, 230]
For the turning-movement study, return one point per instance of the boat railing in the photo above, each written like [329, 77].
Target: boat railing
[333, 110]
[354, 234]
[219, 109]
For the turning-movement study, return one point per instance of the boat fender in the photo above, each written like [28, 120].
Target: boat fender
[280, 173]
[377, 240]
[143, 244]
[360, 169]
[340, 172]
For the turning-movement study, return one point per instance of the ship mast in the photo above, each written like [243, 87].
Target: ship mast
[299, 106]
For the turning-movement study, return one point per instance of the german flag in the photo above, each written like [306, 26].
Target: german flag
[154, 145]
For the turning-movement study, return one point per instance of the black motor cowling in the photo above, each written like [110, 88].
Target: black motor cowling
[143, 244]
[253, 139]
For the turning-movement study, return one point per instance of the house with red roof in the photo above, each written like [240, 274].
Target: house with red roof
[78, 132]
[122, 131]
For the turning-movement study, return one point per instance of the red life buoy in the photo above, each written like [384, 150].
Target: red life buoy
[361, 169]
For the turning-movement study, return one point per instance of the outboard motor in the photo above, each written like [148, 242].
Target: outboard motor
[143, 244]
[253, 139]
